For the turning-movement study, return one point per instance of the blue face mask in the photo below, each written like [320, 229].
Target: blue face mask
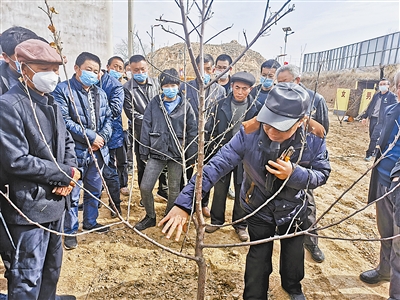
[266, 82]
[140, 77]
[207, 78]
[117, 75]
[88, 78]
[17, 65]
[170, 92]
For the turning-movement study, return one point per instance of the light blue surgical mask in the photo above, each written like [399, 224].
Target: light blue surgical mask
[170, 92]
[17, 65]
[383, 88]
[266, 82]
[117, 75]
[207, 78]
[88, 78]
[140, 77]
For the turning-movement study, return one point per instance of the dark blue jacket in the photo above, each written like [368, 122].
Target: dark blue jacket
[390, 117]
[103, 117]
[387, 99]
[115, 96]
[31, 165]
[253, 149]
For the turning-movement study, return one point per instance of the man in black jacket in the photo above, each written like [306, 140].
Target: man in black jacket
[319, 112]
[139, 90]
[375, 113]
[385, 178]
[225, 122]
[38, 164]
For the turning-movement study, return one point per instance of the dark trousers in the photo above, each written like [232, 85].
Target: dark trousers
[311, 217]
[111, 177]
[120, 160]
[141, 165]
[33, 269]
[374, 134]
[259, 260]
[221, 189]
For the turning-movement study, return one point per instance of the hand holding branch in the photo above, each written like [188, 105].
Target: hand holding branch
[281, 169]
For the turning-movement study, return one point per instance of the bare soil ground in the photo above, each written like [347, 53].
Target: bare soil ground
[121, 265]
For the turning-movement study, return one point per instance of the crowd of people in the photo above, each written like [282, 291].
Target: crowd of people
[59, 138]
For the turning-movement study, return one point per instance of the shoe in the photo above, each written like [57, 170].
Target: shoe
[163, 194]
[147, 222]
[65, 297]
[242, 234]
[80, 207]
[98, 225]
[114, 214]
[297, 296]
[368, 158]
[231, 194]
[124, 191]
[211, 229]
[206, 212]
[141, 203]
[372, 276]
[316, 254]
[70, 242]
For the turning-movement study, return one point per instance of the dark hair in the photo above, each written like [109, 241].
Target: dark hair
[126, 64]
[206, 59]
[224, 57]
[270, 64]
[14, 36]
[114, 57]
[169, 76]
[136, 58]
[84, 56]
[384, 79]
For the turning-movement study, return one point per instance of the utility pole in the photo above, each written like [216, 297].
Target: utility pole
[130, 28]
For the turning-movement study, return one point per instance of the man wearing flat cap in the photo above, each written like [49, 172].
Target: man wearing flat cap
[260, 145]
[224, 123]
[38, 165]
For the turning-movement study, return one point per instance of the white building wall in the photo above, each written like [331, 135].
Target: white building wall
[84, 25]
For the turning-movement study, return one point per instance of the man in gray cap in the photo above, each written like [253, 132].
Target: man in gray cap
[38, 164]
[224, 123]
[261, 145]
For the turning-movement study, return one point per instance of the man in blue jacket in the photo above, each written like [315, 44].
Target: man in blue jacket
[115, 95]
[90, 106]
[384, 178]
[280, 124]
[376, 114]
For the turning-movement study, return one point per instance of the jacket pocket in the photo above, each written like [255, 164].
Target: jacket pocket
[157, 143]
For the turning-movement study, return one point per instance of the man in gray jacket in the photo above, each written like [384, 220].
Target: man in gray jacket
[139, 90]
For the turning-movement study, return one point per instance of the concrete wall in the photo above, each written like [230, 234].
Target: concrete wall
[84, 25]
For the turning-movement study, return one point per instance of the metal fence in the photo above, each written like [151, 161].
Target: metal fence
[383, 50]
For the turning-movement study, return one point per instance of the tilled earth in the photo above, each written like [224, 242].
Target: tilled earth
[122, 265]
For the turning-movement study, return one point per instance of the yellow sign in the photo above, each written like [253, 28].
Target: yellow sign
[342, 101]
[365, 99]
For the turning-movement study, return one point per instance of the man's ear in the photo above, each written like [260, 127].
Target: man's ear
[6, 57]
[76, 68]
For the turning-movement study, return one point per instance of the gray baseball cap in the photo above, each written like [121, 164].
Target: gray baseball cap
[286, 103]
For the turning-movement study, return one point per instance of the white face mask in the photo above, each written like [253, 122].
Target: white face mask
[128, 74]
[225, 76]
[383, 88]
[44, 82]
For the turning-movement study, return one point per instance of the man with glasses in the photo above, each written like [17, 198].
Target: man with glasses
[259, 145]
[222, 63]
[268, 70]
